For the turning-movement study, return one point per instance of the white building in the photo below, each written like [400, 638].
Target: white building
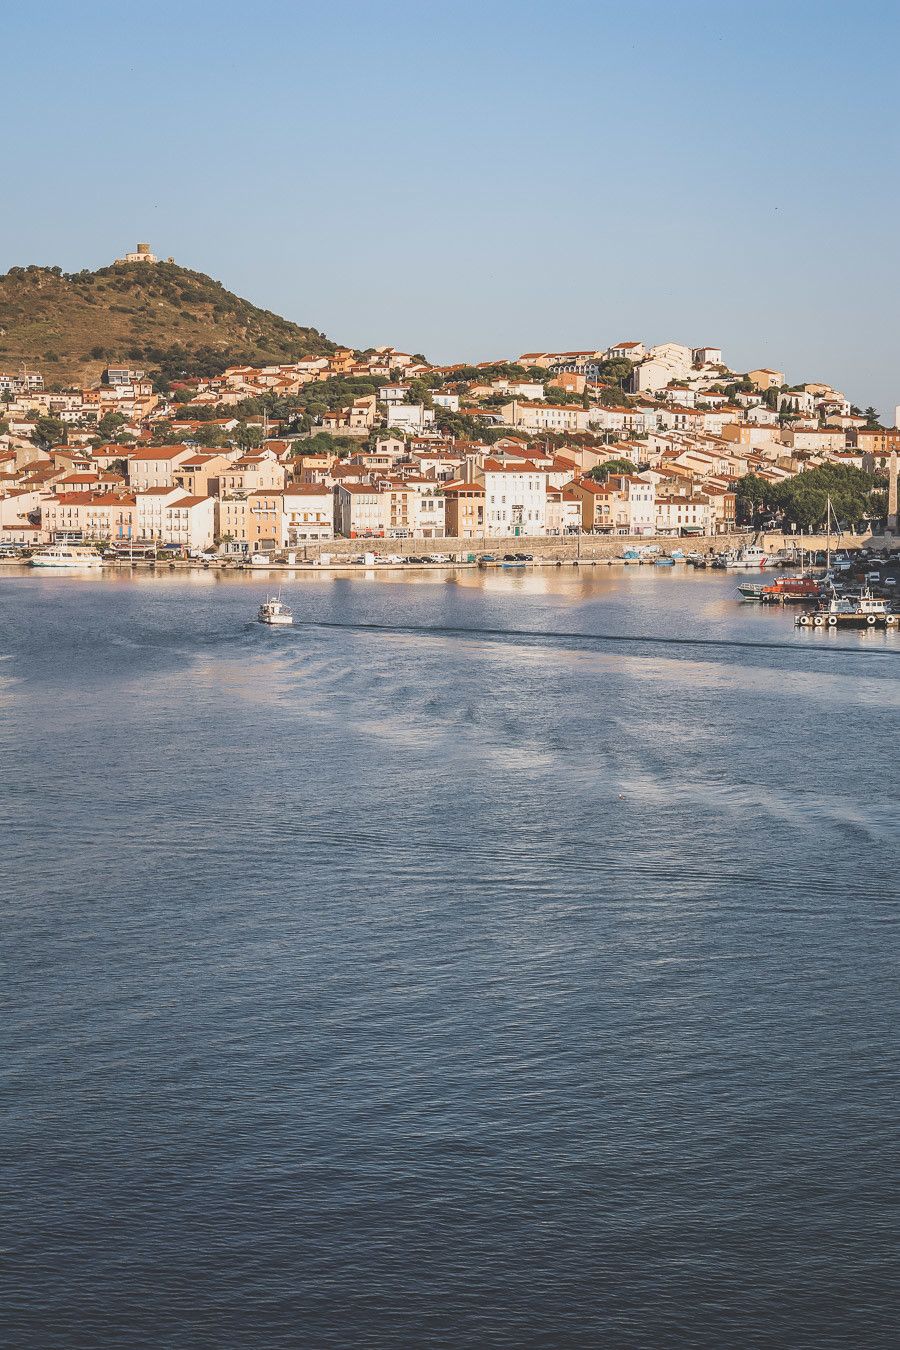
[308, 514]
[190, 522]
[150, 507]
[515, 497]
[409, 416]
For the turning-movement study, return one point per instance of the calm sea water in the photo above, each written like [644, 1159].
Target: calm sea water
[376, 987]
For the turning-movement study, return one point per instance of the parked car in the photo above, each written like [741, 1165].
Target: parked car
[524, 557]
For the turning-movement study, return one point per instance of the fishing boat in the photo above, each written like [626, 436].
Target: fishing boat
[791, 590]
[66, 555]
[274, 612]
[851, 611]
[751, 590]
[751, 555]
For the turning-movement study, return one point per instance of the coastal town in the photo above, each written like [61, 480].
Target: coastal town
[645, 441]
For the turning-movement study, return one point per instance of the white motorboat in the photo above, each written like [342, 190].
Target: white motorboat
[749, 556]
[274, 612]
[66, 555]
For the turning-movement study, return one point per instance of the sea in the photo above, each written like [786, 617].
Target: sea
[492, 959]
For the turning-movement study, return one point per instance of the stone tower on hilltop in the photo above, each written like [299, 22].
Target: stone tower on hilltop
[141, 254]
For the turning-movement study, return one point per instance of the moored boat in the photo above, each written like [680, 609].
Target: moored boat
[751, 555]
[66, 555]
[850, 611]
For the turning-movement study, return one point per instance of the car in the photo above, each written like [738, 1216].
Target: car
[511, 557]
[441, 558]
[486, 558]
[525, 557]
[391, 560]
[425, 558]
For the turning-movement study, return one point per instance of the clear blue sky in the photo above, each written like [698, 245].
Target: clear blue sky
[478, 179]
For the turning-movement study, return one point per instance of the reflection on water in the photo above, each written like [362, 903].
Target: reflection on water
[378, 987]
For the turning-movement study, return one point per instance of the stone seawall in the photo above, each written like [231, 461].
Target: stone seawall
[564, 547]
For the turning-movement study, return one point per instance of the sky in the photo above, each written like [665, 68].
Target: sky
[478, 180]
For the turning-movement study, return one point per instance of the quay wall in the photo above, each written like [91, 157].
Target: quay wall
[565, 547]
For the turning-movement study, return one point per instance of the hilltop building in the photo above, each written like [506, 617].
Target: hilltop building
[141, 254]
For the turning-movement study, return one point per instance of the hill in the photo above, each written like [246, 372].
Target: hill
[158, 315]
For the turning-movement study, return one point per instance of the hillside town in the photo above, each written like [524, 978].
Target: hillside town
[629, 440]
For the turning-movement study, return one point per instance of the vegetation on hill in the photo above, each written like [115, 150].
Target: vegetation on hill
[160, 316]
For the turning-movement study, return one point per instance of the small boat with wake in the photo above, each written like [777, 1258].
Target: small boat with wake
[274, 612]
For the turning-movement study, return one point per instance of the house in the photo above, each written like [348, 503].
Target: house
[264, 520]
[797, 401]
[766, 379]
[515, 497]
[257, 471]
[155, 467]
[90, 515]
[626, 351]
[199, 475]
[563, 511]
[358, 511]
[190, 522]
[308, 513]
[464, 509]
[683, 514]
[409, 416]
[150, 511]
[232, 514]
[533, 416]
[707, 356]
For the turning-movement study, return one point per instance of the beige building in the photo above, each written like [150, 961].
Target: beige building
[464, 510]
[156, 466]
[199, 475]
[766, 379]
[265, 512]
[231, 523]
[259, 471]
[91, 515]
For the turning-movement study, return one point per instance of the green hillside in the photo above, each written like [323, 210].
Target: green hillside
[70, 326]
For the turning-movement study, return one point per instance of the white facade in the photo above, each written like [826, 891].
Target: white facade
[409, 416]
[151, 507]
[190, 522]
[515, 498]
[308, 514]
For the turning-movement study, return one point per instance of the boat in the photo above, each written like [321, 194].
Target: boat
[274, 612]
[791, 590]
[663, 562]
[751, 555]
[751, 590]
[66, 555]
[852, 611]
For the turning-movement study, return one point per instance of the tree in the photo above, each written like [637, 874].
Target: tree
[208, 436]
[871, 417]
[601, 472]
[752, 495]
[247, 437]
[49, 431]
[804, 498]
[109, 426]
